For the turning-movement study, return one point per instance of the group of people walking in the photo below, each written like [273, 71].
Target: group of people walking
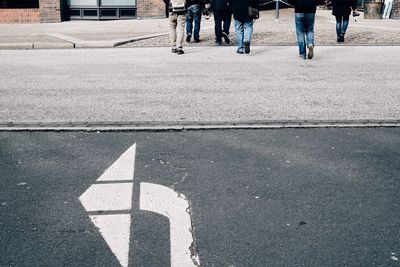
[189, 13]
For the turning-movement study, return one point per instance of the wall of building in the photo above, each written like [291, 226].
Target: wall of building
[19, 15]
[150, 8]
[50, 10]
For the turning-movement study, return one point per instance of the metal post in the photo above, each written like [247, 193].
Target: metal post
[277, 9]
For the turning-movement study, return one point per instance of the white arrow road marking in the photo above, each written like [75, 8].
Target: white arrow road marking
[114, 228]
[116, 197]
[165, 201]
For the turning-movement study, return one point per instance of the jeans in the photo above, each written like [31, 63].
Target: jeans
[342, 22]
[304, 29]
[177, 27]
[225, 17]
[244, 31]
[193, 14]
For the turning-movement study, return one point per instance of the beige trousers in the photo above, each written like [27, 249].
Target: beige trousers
[177, 30]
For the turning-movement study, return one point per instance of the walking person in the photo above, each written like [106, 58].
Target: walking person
[342, 10]
[244, 23]
[177, 13]
[222, 19]
[304, 20]
[193, 16]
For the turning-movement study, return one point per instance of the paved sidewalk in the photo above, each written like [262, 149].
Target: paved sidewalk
[154, 32]
[268, 31]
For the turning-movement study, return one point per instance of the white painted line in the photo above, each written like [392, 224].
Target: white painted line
[123, 168]
[115, 230]
[163, 200]
[108, 197]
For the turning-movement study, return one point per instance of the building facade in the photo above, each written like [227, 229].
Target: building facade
[35, 11]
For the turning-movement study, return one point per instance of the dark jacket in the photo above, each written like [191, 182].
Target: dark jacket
[219, 4]
[240, 8]
[306, 6]
[343, 7]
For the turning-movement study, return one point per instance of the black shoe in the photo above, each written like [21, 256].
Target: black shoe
[310, 51]
[218, 42]
[239, 51]
[226, 38]
[188, 37]
[197, 40]
[180, 52]
[174, 50]
[338, 39]
[356, 14]
[247, 47]
[342, 38]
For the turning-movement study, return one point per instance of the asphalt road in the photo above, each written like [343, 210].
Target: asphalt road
[288, 197]
[205, 84]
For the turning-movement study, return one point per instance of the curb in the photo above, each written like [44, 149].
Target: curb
[192, 126]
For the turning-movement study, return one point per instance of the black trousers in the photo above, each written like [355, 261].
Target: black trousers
[222, 20]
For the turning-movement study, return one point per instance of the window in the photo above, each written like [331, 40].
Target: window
[19, 3]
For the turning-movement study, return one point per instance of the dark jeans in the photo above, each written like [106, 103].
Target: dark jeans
[342, 22]
[193, 15]
[304, 30]
[222, 19]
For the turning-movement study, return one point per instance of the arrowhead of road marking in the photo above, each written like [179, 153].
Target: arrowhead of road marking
[103, 197]
[122, 169]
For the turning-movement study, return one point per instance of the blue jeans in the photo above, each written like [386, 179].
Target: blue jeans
[304, 29]
[342, 22]
[244, 31]
[193, 14]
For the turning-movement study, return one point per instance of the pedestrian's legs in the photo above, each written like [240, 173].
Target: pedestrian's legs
[197, 22]
[339, 20]
[172, 32]
[180, 30]
[239, 29]
[310, 20]
[218, 16]
[248, 32]
[227, 17]
[345, 25]
[189, 24]
[301, 42]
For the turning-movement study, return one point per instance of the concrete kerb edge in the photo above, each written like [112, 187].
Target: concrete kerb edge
[114, 127]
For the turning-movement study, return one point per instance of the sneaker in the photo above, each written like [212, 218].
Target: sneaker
[247, 47]
[188, 37]
[174, 50]
[180, 52]
[226, 38]
[197, 40]
[303, 57]
[239, 51]
[218, 42]
[338, 39]
[310, 51]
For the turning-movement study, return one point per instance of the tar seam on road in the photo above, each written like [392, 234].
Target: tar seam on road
[114, 126]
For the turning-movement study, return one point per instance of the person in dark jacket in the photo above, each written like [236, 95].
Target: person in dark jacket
[194, 11]
[342, 10]
[243, 23]
[304, 19]
[222, 19]
[177, 14]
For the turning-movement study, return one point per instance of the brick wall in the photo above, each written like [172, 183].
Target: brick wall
[150, 8]
[20, 15]
[50, 10]
[396, 9]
